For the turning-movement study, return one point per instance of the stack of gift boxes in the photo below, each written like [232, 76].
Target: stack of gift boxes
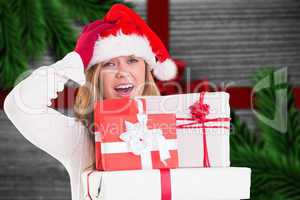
[173, 147]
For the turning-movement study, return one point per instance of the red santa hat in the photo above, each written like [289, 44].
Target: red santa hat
[132, 36]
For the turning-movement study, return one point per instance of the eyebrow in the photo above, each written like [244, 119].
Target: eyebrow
[130, 56]
[135, 57]
[109, 60]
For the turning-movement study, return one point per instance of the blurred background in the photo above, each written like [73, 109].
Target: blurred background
[218, 45]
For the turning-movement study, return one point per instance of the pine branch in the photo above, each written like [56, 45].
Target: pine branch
[241, 136]
[263, 196]
[89, 10]
[83, 11]
[41, 24]
[12, 60]
[60, 35]
[31, 25]
[270, 173]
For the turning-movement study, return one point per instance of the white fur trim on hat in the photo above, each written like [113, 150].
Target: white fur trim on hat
[165, 71]
[122, 45]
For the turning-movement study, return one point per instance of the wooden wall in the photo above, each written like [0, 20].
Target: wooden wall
[226, 41]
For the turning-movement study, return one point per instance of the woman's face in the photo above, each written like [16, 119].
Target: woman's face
[123, 76]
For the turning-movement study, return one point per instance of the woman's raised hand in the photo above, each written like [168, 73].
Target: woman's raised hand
[88, 37]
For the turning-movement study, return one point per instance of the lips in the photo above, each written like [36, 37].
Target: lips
[124, 89]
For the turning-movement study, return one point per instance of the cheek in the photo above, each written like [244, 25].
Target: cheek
[139, 76]
[107, 79]
[139, 73]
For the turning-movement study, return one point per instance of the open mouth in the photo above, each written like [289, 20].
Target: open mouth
[124, 89]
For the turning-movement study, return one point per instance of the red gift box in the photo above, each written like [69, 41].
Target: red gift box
[128, 139]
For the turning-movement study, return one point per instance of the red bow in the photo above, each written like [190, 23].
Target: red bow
[199, 110]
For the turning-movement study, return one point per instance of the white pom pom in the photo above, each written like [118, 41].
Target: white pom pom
[166, 70]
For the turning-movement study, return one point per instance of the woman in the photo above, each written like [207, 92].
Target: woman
[113, 58]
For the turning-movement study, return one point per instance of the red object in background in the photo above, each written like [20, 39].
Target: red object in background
[296, 92]
[240, 97]
[196, 86]
[3, 94]
[169, 87]
[65, 98]
[159, 20]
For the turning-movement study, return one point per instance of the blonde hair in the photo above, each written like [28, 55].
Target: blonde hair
[91, 92]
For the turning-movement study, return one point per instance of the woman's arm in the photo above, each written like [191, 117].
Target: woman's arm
[27, 107]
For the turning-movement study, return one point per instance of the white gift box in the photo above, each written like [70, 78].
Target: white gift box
[186, 183]
[190, 141]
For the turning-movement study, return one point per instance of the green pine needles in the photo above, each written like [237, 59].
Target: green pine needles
[28, 28]
[272, 152]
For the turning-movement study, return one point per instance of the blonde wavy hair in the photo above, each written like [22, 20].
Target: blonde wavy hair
[91, 92]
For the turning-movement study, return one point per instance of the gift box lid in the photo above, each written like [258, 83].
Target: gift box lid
[186, 183]
[117, 106]
[179, 103]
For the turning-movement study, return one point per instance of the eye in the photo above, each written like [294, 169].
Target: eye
[132, 60]
[109, 64]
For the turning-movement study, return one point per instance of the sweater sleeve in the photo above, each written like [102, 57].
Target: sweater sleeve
[27, 107]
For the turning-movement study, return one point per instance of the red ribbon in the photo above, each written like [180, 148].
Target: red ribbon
[199, 111]
[165, 181]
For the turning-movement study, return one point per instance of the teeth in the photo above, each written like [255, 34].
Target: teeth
[125, 86]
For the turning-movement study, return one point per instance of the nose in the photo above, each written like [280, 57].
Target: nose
[122, 70]
[122, 74]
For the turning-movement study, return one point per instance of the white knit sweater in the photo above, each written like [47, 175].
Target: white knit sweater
[63, 137]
